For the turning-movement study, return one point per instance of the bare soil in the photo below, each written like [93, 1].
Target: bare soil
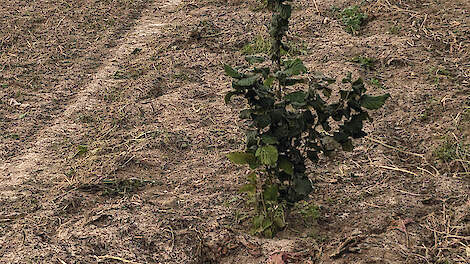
[113, 134]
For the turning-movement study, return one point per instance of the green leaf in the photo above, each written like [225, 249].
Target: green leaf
[269, 140]
[268, 232]
[302, 185]
[354, 126]
[251, 138]
[82, 149]
[269, 81]
[347, 145]
[279, 222]
[327, 92]
[358, 86]
[241, 158]
[296, 97]
[258, 221]
[329, 80]
[249, 81]
[264, 71]
[254, 59]
[294, 67]
[267, 155]
[252, 178]
[286, 166]
[271, 193]
[286, 11]
[229, 71]
[291, 81]
[344, 94]
[262, 121]
[267, 223]
[229, 95]
[373, 102]
[248, 188]
[245, 114]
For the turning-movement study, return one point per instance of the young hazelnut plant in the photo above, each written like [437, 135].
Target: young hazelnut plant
[288, 121]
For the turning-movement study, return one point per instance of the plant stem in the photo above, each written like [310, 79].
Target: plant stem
[276, 40]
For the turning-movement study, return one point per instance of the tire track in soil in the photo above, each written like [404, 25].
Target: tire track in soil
[18, 170]
[40, 163]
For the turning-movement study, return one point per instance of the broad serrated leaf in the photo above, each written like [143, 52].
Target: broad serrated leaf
[254, 59]
[245, 114]
[294, 67]
[279, 222]
[262, 121]
[296, 97]
[373, 102]
[326, 92]
[329, 80]
[270, 193]
[286, 11]
[241, 158]
[291, 81]
[229, 71]
[258, 221]
[251, 138]
[302, 186]
[269, 140]
[229, 95]
[267, 155]
[264, 71]
[249, 81]
[252, 177]
[269, 81]
[286, 166]
[358, 86]
[248, 188]
[267, 223]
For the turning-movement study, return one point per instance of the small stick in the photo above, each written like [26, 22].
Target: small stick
[101, 258]
[405, 192]
[398, 169]
[395, 148]
[316, 6]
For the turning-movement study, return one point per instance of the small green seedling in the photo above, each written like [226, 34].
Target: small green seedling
[365, 62]
[81, 149]
[353, 19]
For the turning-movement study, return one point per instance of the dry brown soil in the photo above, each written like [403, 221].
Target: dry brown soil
[113, 134]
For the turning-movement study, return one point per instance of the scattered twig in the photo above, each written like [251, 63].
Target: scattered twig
[425, 170]
[106, 257]
[398, 169]
[405, 192]
[125, 163]
[316, 6]
[373, 205]
[349, 245]
[346, 246]
[395, 148]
